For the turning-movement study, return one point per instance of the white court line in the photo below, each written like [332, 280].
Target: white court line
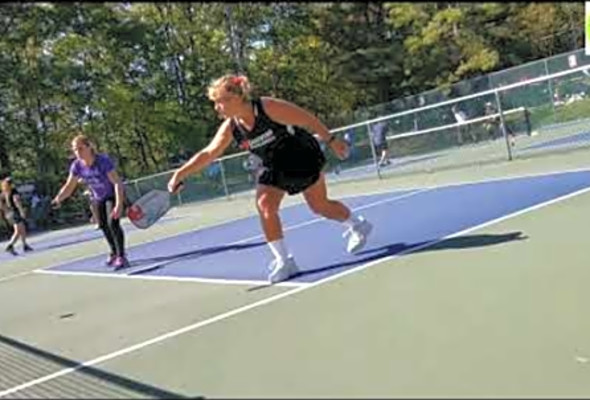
[376, 192]
[9, 277]
[136, 275]
[271, 299]
[474, 182]
[315, 220]
[171, 278]
[82, 257]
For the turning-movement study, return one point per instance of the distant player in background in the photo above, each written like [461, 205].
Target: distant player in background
[379, 139]
[349, 138]
[461, 118]
[253, 165]
[493, 125]
[14, 212]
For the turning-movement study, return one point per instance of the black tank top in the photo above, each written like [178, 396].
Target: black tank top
[9, 200]
[277, 145]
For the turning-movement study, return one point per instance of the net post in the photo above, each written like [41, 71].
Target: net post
[373, 151]
[527, 121]
[503, 124]
[138, 194]
[179, 196]
[223, 180]
[550, 86]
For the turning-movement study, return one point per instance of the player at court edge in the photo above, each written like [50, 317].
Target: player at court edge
[281, 134]
[98, 172]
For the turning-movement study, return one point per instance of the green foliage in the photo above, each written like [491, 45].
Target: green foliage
[134, 75]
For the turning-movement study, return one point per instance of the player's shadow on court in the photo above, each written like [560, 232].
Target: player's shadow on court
[460, 242]
[55, 243]
[373, 254]
[92, 234]
[86, 382]
[76, 240]
[153, 263]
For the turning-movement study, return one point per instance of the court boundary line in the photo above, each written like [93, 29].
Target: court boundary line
[342, 197]
[219, 281]
[215, 225]
[272, 299]
[413, 188]
[474, 182]
[14, 276]
[34, 271]
[559, 142]
[77, 230]
[136, 273]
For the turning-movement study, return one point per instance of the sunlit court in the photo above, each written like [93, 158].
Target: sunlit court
[472, 283]
[467, 286]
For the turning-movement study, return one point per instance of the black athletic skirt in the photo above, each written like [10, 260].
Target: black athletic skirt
[296, 164]
[14, 217]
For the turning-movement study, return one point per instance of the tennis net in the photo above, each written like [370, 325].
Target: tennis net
[511, 121]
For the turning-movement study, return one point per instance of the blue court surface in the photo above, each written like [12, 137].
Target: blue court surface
[403, 220]
[564, 141]
[69, 239]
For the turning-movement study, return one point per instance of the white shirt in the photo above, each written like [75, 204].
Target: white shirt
[460, 116]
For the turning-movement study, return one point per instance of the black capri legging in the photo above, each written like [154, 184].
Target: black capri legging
[111, 227]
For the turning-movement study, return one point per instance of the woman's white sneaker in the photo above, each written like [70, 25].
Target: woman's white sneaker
[282, 269]
[357, 235]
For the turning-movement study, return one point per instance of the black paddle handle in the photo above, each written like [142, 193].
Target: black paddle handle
[179, 185]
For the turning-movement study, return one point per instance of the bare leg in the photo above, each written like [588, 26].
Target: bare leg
[15, 235]
[268, 201]
[22, 233]
[316, 197]
[94, 213]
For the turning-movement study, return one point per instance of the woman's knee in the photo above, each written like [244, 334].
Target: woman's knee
[104, 225]
[21, 229]
[114, 224]
[104, 222]
[267, 206]
[319, 207]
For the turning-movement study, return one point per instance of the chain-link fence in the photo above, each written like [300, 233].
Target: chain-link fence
[495, 117]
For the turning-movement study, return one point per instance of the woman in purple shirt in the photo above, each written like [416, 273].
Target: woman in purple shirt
[99, 174]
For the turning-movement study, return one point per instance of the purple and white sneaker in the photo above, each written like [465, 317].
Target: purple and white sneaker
[121, 262]
[110, 260]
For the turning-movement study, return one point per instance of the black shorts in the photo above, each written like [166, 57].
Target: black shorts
[14, 217]
[289, 184]
[296, 166]
[382, 146]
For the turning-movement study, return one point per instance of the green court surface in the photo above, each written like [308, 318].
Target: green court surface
[469, 316]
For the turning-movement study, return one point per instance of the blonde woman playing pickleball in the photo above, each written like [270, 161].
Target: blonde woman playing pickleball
[281, 134]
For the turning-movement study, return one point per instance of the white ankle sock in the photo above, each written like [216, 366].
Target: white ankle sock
[279, 249]
[353, 220]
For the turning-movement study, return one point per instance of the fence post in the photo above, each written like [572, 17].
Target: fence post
[550, 85]
[503, 124]
[179, 198]
[136, 188]
[373, 151]
[223, 181]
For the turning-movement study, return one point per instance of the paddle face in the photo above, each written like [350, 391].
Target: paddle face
[149, 208]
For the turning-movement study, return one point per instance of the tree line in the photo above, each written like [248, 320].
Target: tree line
[133, 76]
